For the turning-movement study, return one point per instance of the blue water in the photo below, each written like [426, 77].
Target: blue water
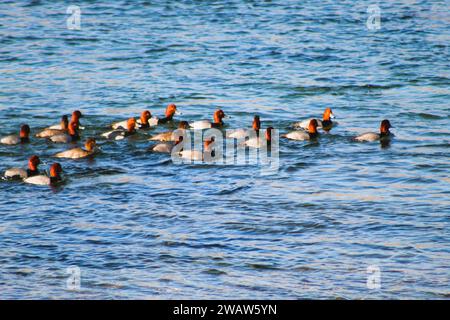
[139, 226]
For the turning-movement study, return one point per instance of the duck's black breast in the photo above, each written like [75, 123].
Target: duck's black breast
[32, 173]
[327, 124]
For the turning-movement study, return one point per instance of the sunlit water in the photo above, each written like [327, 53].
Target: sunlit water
[139, 226]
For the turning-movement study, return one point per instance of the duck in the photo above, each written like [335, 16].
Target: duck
[76, 115]
[256, 142]
[303, 135]
[242, 133]
[373, 136]
[326, 124]
[47, 133]
[44, 180]
[144, 122]
[168, 136]
[78, 153]
[165, 147]
[23, 137]
[171, 111]
[206, 124]
[120, 134]
[69, 137]
[33, 163]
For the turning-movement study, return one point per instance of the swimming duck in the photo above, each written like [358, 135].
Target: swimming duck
[256, 141]
[373, 136]
[326, 123]
[206, 124]
[23, 137]
[171, 110]
[76, 115]
[165, 147]
[32, 170]
[144, 122]
[242, 133]
[43, 180]
[78, 153]
[47, 133]
[71, 135]
[302, 135]
[168, 136]
[120, 134]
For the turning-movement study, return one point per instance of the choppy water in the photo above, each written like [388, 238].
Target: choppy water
[140, 227]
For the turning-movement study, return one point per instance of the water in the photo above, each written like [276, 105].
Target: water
[139, 226]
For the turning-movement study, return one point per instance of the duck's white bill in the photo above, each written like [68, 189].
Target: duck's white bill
[178, 113]
[332, 116]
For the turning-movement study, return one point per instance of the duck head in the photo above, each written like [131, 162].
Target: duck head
[328, 114]
[218, 116]
[385, 126]
[55, 171]
[256, 125]
[183, 125]
[269, 134]
[24, 131]
[131, 125]
[33, 163]
[90, 144]
[312, 127]
[64, 122]
[145, 116]
[171, 110]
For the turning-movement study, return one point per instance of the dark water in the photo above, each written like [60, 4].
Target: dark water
[139, 226]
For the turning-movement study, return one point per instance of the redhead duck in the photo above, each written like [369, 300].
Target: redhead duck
[78, 153]
[242, 133]
[302, 135]
[32, 170]
[206, 124]
[144, 122]
[47, 133]
[71, 135]
[256, 141]
[373, 136]
[326, 123]
[120, 134]
[171, 110]
[76, 115]
[23, 137]
[43, 180]
[168, 136]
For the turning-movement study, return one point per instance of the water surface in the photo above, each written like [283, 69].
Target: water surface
[139, 226]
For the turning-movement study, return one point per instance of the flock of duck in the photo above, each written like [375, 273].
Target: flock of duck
[68, 132]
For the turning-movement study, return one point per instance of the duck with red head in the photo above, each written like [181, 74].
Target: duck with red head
[22, 137]
[326, 123]
[206, 124]
[302, 135]
[145, 121]
[384, 134]
[257, 142]
[120, 134]
[76, 115]
[32, 170]
[171, 111]
[78, 153]
[242, 133]
[69, 137]
[47, 133]
[43, 180]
